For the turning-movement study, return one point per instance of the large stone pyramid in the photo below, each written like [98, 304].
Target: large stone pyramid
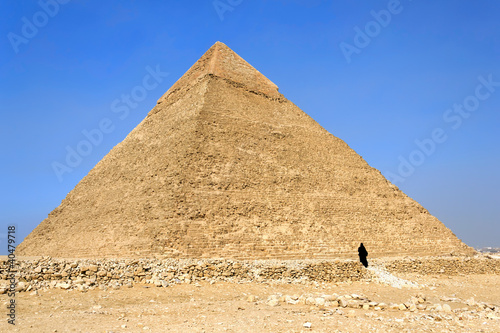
[225, 167]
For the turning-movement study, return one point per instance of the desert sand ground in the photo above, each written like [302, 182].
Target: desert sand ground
[244, 307]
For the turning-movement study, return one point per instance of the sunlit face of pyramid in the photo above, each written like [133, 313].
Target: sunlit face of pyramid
[226, 166]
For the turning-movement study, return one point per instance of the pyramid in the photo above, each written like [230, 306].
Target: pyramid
[224, 166]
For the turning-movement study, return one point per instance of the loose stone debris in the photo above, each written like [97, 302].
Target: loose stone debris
[83, 275]
[107, 273]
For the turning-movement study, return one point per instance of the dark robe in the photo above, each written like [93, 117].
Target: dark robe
[362, 255]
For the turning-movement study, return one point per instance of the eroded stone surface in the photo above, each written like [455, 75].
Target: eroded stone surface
[225, 167]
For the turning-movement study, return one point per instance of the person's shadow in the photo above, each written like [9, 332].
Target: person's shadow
[362, 255]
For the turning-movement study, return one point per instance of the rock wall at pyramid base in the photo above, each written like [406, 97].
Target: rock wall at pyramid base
[46, 273]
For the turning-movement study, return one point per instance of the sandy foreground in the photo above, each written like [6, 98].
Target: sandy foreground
[246, 307]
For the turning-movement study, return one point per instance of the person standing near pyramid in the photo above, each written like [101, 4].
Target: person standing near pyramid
[362, 255]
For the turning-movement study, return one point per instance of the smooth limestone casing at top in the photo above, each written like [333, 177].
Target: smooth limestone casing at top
[224, 166]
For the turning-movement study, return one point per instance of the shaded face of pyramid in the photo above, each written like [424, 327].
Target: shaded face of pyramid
[225, 166]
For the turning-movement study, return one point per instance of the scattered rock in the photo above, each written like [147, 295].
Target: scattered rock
[320, 301]
[342, 303]
[351, 314]
[446, 308]
[310, 301]
[273, 302]
[63, 286]
[421, 307]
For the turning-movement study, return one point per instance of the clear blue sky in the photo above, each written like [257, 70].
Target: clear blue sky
[378, 85]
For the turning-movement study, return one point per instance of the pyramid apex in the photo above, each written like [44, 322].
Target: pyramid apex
[220, 61]
[218, 45]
